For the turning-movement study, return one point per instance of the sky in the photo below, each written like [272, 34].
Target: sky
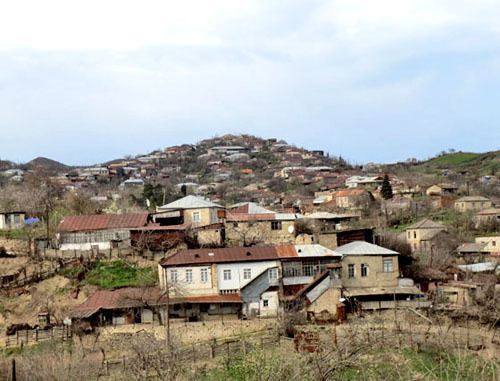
[85, 82]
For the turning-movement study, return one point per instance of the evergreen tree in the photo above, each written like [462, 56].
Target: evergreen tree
[386, 190]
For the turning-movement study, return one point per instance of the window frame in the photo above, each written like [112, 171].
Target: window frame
[351, 270]
[276, 225]
[364, 270]
[204, 275]
[387, 265]
[273, 274]
[174, 277]
[197, 218]
[247, 274]
[226, 274]
[265, 302]
[189, 276]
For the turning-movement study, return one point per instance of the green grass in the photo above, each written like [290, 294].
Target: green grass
[453, 159]
[13, 234]
[111, 275]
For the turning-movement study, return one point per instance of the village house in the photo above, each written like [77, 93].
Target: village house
[487, 217]
[371, 278]
[472, 204]
[99, 231]
[195, 211]
[12, 220]
[492, 243]
[442, 190]
[371, 182]
[248, 224]
[353, 199]
[246, 272]
[421, 235]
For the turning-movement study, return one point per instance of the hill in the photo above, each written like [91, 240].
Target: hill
[47, 164]
[478, 164]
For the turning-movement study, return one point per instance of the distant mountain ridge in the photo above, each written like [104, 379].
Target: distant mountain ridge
[487, 163]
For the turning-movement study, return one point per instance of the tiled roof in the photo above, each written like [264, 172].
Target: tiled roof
[102, 222]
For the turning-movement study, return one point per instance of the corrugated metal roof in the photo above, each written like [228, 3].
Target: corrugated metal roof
[426, 224]
[102, 222]
[479, 267]
[244, 254]
[189, 202]
[233, 254]
[363, 248]
[314, 251]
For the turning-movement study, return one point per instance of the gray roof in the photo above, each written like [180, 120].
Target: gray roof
[363, 248]
[472, 199]
[253, 208]
[190, 202]
[478, 267]
[426, 224]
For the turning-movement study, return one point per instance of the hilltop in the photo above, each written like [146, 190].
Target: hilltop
[47, 164]
[478, 164]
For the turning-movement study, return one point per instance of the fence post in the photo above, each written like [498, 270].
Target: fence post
[27, 337]
[227, 348]
[36, 335]
[194, 354]
[212, 351]
[17, 337]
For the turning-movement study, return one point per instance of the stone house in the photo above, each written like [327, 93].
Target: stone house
[441, 190]
[195, 211]
[492, 243]
[353, 198]
[420, 235]
[487, 217]
[248, 224]
[472, 204]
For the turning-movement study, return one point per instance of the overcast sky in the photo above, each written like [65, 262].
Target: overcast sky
[84, 82]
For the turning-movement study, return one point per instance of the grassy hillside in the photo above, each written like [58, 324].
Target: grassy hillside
[475, 163]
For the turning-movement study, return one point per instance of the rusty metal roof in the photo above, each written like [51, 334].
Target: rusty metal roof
[103, 222]
[233, 254]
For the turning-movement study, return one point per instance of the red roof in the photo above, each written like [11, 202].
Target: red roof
[103, 221]
[350, 192]
[232, 254]
[136, 297]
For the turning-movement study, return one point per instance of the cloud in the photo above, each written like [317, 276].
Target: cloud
[374, 81]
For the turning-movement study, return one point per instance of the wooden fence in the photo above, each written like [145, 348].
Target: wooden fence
[31, 336]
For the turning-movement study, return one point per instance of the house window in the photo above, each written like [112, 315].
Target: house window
[350, 270]
[275, 225]
[387, 265]
[173, 276]
[409, 234]
[364, 269]
[273, 274]
[204, 275]
[265, 303]
[247, 273]
[493, 243]
[235, 224]
[415, 235]
[189, 276]
[196, 217]
[227, 274]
